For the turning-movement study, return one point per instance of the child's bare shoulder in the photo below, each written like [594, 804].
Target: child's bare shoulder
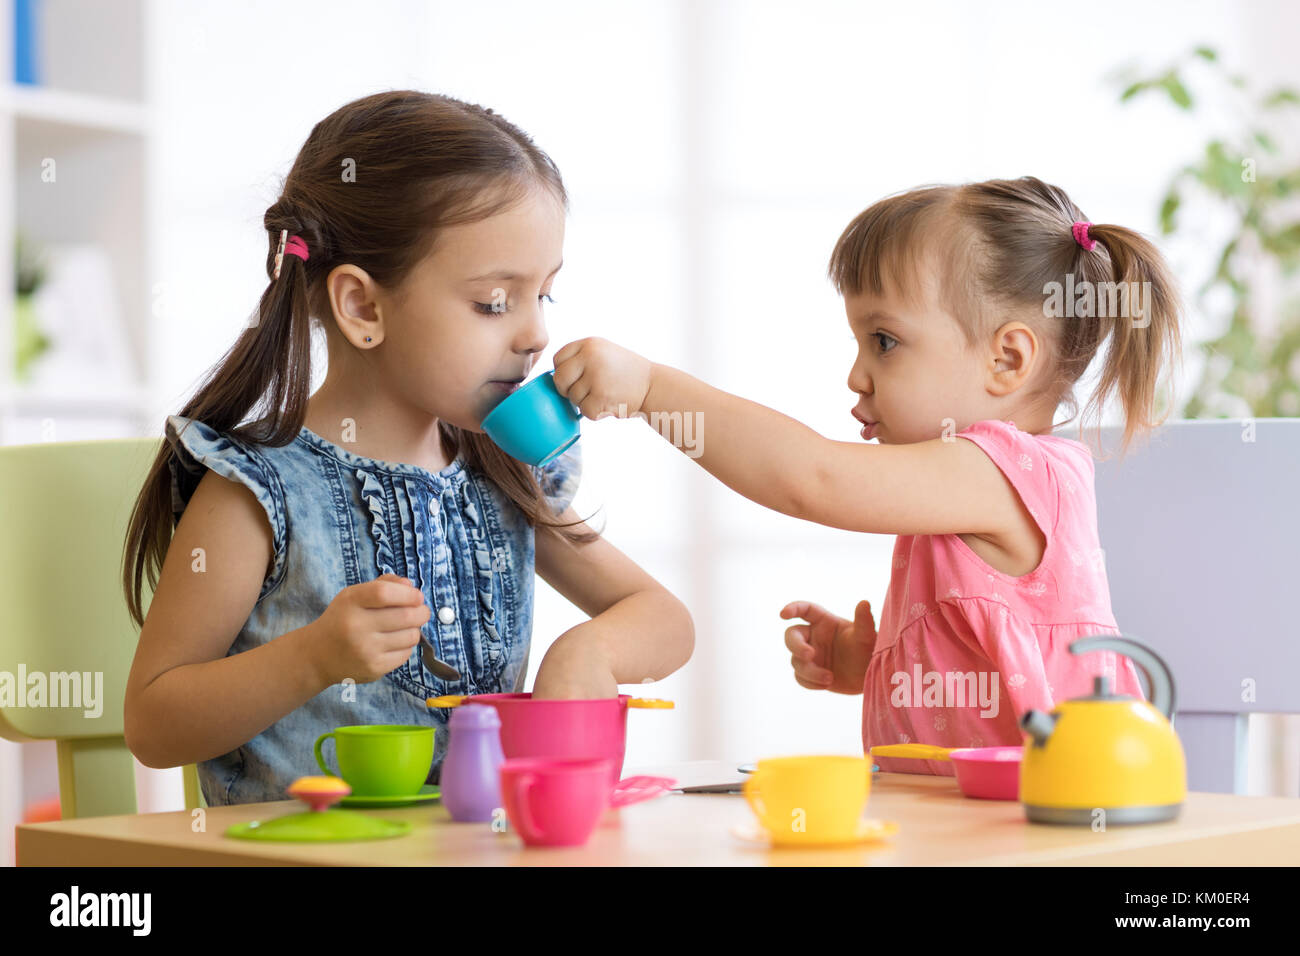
[228, 516]
[215, 565]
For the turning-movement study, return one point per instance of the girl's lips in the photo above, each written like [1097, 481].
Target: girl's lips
[868, 426]
[506, 387]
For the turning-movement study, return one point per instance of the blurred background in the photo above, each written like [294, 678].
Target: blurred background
[714, 151]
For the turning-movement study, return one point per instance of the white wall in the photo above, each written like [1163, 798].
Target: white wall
[714, 151]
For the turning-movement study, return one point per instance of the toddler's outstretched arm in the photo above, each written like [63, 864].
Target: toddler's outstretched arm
[941, 486]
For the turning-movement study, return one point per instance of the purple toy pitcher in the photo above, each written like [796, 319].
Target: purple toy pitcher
[471, 771]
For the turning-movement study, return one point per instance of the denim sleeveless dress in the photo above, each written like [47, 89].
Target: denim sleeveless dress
[338, 519]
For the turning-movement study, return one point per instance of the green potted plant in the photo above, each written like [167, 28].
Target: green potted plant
[29, 342]
[1243, 173]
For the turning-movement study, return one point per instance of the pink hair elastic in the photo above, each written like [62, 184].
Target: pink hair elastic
[1080, 231]
[294, 247]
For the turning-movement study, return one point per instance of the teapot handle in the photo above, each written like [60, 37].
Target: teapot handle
[1160, 682]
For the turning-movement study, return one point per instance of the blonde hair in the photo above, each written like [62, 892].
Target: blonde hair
[1003, 244]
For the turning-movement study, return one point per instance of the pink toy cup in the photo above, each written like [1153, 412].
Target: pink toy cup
[554, 802]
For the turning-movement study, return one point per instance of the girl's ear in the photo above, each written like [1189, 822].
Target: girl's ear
[354, 303]
[1016, 355]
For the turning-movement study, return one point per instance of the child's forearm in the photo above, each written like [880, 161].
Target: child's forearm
[199, 711]
[754, 450]
[644, 637]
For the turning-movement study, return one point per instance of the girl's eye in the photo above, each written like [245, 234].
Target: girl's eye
[884, 335]
[489, 308]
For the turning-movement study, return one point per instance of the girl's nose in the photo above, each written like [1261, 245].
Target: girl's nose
[533, 337]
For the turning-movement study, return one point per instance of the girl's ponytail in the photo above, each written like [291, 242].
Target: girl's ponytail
[1138, 304]
[269, 360]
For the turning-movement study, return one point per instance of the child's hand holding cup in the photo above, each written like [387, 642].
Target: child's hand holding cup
[602, 378]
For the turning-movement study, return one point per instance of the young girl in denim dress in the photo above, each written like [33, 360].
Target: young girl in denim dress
[314, 545]
[957, 299]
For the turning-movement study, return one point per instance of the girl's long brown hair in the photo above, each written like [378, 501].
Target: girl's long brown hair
[418, 162]
[1004, 241]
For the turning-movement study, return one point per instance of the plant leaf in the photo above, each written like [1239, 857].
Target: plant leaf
[1132, 90]
[1262, 138]
[1168, 209]
[1177, 92]
[1282, 96]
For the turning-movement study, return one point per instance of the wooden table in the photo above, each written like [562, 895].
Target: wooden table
[938, 826]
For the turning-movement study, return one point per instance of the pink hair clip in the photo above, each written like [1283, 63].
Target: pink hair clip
[294, 247]
[1080, 231]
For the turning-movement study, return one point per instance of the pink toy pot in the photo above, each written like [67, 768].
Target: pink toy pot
[575, 729]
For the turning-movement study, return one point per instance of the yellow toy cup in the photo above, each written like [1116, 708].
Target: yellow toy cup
[816, 799]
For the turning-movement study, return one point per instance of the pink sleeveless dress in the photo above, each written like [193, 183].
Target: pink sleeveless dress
[963, 650]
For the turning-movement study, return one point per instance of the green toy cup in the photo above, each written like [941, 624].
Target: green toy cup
[381, 760]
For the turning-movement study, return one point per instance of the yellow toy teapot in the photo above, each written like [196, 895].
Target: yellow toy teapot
[1107, 757]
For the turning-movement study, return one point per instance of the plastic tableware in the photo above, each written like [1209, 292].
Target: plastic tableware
[439, 669]
[318, 792]
[987, 773]
[578, 729]
[471, 771]
[868, 831]
[555, 802]
[381, 760]
[426, 794]
[753, 768]
[810, 799]
[535, 423]
[321, 823]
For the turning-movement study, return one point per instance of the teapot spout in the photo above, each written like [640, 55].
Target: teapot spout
[1039, 725]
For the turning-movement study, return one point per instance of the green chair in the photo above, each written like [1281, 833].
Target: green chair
[64, 507]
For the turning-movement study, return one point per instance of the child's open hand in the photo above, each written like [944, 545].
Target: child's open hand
[369, 629]
[829, 652]
[602, 378]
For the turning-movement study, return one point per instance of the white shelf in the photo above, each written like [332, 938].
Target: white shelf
[32, 401]
[82, 111]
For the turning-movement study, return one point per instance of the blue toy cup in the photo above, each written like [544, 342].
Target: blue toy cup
[535, 423]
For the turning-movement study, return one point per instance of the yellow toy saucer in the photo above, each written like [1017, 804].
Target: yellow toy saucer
[868, 831]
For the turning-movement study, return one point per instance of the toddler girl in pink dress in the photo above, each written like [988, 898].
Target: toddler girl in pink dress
[976, 309]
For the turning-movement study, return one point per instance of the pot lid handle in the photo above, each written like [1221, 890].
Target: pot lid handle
[447, 700]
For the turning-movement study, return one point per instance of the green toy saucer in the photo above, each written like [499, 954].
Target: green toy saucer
[427, 793]
[319, 826]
